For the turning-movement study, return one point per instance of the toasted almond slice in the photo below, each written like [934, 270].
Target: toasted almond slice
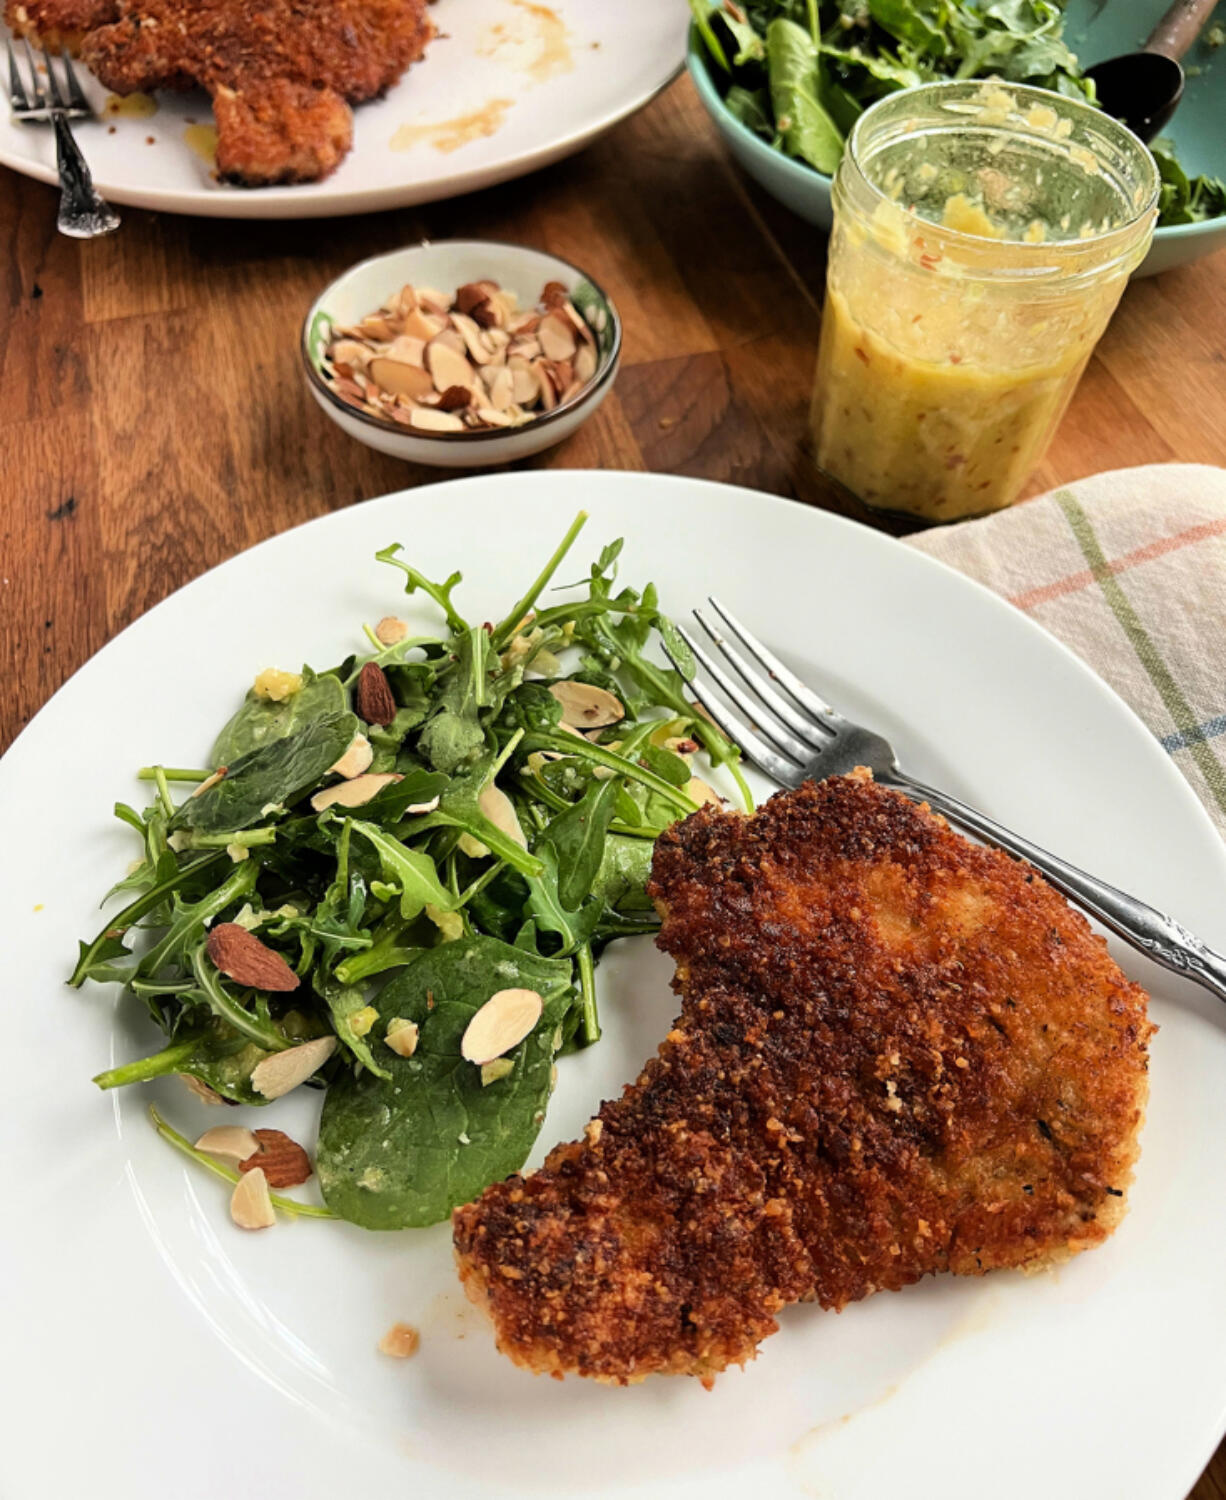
[202, 1091]
[349, 352]
[549, 397]
[496, 338]
[479, 351]
[529, 348]
[585, 363]
[585, 706]
[376, 326]
[698, 791]
[492, 417]
[423, 325]
[405, 300]
[525, 386]
[447, 367]
[399, 377]
[524, 322]
[568, 307]
[429, 297]
[491, 1072]
[502, 1023]
[232, 1143]
[500, 810]
[390, 630]
[354, 793]
[430, 420]
[401, 1036]
[557, 337]
[407, 348]
[502, 392]
[283, 1071]
[356, 759]
[561, 372]
[423, 807]
[251, 1204]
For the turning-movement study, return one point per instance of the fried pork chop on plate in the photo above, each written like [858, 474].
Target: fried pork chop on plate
[898, 1053]
[282, 73]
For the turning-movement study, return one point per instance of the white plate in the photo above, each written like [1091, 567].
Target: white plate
[152, 1349]
[543, 80]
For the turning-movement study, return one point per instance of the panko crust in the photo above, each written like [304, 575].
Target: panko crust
[898, 1053]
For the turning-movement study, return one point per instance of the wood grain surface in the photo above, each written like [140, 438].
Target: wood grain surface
[153, 419]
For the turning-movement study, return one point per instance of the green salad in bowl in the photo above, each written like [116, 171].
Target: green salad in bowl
[785, 80]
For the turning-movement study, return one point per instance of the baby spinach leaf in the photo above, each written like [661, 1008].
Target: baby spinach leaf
[805, 129]
[398, 1153]
[260, 721]
[277, 772]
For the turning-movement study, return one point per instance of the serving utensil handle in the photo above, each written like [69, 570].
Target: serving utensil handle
[1150, 931]
[1179, 27]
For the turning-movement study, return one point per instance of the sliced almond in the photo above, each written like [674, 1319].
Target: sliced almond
[529, 348]
[434, 300]
[232, 1143]
[557, 337]
[549, 398]
[202, 1091]
[447, 366]
[492, 417]
[525, 386]
[500, 810]
[502, 391]
[251, 1204]
[404, 301]
[456, 398]
[283, 1071]
[524, 322]
[390, 630]
[355, 793]
[356, 759]
[585, 363]
[349, 352]
[502, 1023]
[407, 348]
[401, 1036]
[478, 349]
[399, 377]
[376, 326]
[430, 420]
[697, 790]
[585, 706]
[423, 325]
[497, 339]
[423, 807]
[491, 1072]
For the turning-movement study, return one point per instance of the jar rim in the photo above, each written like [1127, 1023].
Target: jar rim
[914, 100]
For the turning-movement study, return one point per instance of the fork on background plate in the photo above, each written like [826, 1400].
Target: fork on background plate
[792, 734]
[84, 214]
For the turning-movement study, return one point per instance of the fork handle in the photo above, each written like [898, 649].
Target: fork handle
[83, 214]
[1150, 931]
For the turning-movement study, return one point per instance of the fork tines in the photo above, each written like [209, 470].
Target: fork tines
[38, 100]
[786, 724]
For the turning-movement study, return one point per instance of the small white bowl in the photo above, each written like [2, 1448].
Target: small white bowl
[448, 264]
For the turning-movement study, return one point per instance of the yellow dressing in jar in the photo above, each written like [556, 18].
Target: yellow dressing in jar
[980, 246]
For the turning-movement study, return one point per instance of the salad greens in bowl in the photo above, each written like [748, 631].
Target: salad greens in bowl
[785, 80]
[376, 853]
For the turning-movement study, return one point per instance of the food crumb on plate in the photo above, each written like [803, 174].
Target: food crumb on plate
[401, 1341]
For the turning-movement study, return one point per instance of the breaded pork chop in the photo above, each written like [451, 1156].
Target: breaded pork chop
[282, 73]
[898, 1053]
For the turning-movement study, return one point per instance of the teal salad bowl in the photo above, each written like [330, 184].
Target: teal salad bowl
[1095, 31]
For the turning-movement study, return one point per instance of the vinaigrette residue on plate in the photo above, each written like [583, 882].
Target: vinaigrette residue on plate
[536, 42]
[450, 135]
[130, 106]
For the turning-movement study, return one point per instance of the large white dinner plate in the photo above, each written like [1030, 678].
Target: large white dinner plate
[152, 1349]
[505, 87]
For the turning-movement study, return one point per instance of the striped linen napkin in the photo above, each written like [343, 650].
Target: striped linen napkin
[1129, 570]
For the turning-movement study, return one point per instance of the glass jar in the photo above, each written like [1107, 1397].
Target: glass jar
[983, 234]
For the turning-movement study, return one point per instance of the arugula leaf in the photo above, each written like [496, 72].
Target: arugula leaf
[411, 871]
[398, 1153]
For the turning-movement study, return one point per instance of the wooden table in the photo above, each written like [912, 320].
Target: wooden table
[154, 419]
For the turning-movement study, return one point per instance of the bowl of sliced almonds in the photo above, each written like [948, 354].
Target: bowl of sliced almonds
[461, 353]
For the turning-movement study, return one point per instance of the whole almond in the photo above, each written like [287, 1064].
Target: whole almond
[241, 956]
[373, 699]
[283, 1161]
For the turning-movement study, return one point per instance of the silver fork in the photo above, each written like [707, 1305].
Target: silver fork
[793, 735]
[83, 213]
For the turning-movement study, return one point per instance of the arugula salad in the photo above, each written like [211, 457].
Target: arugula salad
[799, 72]
[376, 852]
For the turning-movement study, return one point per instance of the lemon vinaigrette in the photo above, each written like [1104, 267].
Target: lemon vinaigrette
[983, 234]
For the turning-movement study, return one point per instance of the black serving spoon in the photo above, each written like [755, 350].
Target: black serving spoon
[1143, 88]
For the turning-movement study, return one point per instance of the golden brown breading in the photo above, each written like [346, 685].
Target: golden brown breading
[898, 1053]
[282, 73]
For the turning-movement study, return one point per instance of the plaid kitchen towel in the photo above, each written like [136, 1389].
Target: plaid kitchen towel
[1129, 570]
